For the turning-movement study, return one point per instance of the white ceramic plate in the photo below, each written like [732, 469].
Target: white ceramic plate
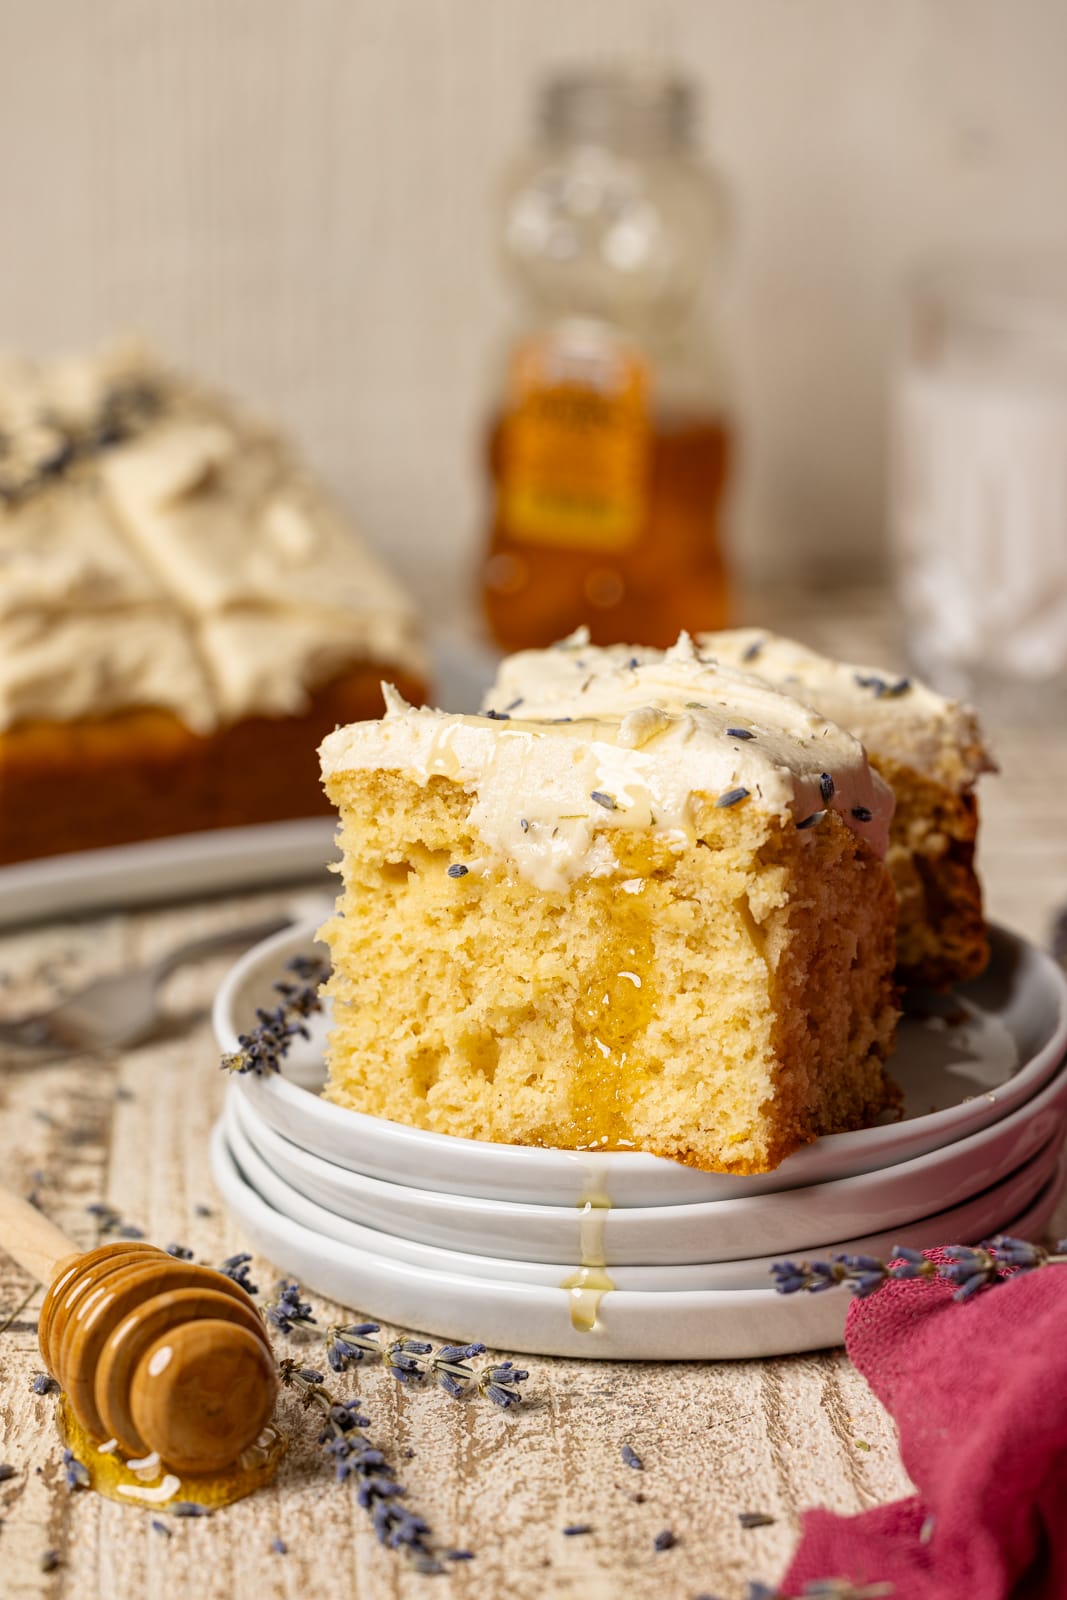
[528, 1318]
[158, 870]
[956, 1080]
[714, 1230]
[973, 1218]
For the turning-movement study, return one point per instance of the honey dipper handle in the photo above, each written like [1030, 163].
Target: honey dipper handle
[30, 1239]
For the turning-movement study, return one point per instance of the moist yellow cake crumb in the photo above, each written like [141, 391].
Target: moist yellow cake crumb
[618, 933]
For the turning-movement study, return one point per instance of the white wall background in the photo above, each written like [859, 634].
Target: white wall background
[294, 197]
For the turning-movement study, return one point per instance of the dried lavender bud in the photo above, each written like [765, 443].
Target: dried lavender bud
[732, 797]
[740, 733]
[498, 716]
[76, 1472]
[161, 1527]
[179, 1252]
[458, 870]
[459, 1555]
[810, 822]
[279, 1547]
[862, 813]
[666, 1540]
[188, 1508]
[236, 1267]
[602, 799]
[287, 1311]
[50, 1561]
[631, 1458]
[498, 1384]
[573, 1529]
[826, 786]
[755, 1519]
[44, 1383]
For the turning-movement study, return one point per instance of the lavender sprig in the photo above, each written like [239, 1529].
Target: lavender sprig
[413, 1360]
[262, 1049]
[354, 1456]
[970, 1268]
[287, 1311]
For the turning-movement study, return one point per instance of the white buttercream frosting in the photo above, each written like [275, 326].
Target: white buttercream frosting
[896, 717]
[649, 744]
[192, 528]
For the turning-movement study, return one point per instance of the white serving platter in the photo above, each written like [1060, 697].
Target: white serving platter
[530, 1318]
[957, 1079]
[659, 1236]
[973, 1218]
[159, 870]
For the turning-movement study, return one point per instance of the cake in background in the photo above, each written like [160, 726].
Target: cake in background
[928, 749]
[664, 926]
[183, 611]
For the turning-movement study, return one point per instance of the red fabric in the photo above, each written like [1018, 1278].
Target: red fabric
[978, 1391]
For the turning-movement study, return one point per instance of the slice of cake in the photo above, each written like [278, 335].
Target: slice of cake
[928, 749]
[931, 753]
[183, 612]
[663, 926]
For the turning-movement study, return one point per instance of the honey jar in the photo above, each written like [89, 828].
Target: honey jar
[610, 449]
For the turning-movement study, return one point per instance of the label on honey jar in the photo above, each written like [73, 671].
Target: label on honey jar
[575, 441]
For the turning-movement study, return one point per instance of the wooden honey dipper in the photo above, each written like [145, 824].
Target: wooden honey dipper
[157, 1353]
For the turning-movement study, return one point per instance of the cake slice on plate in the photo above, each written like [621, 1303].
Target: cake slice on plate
[663, 925]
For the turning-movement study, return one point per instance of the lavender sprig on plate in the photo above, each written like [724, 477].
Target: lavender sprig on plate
[263, 1048]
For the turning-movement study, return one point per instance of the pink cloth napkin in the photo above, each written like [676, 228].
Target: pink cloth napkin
[978, 1391]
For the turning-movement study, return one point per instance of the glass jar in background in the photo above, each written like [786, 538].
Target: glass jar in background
[609, 446]
[979, 483]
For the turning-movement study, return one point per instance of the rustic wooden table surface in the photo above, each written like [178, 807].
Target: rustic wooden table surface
[717, 1439]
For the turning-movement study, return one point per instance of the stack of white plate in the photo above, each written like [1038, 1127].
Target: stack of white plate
[625, 1255]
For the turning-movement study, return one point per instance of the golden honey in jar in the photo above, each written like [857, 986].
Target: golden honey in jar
[609, 451]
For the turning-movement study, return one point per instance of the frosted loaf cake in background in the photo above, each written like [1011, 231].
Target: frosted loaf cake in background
[183, 612]
[928, 749]
[652, 928]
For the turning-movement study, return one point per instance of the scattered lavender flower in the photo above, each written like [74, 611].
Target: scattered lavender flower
[459, 1555]
[826, 786]
[44, 1383]
[236, 1267]
[355, 1457]
[158, 1526]
[413, 1360]
[602, 799]
[755, 1519]
[261, 1049]
[573, 1529]
[499, 1384]
[740, 733]
[109, 1222]
[970, 1268]
[179, 1252]
[76, 1472]
[201, 1210]
[458, 870]
[188, 1508]
[287, 1311]
[732, 797]
[631, 1458]
[279, 1547]
[665, 1540]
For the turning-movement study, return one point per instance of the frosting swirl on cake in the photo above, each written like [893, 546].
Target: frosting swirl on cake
[159, 548]
[651, 744]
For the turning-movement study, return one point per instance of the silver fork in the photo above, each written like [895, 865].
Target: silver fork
[112, 1012]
